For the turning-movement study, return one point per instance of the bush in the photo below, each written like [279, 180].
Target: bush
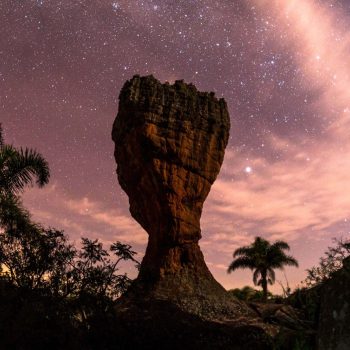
[248, 293]
[53, 295]
[330, 263]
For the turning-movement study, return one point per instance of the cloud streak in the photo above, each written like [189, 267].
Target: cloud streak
[85, 217]
[303, 195]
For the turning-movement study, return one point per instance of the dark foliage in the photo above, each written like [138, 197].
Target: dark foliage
[308, 300]
[262, 258]
[248, 293]
[330, 263]
[21, 167]
[53, 295]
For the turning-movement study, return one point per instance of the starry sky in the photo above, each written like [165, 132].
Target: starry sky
[282, 65]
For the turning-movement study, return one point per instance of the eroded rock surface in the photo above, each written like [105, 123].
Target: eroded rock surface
[169, 146]
[170, 142]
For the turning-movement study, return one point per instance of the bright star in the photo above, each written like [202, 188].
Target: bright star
[248, 169]
[115, 6]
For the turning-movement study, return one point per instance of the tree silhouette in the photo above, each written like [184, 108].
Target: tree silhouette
[247, 293]
[262, 258]
[20, 167]
[14, 218]
[331, 262]
[49, 288]
[43, 259]
[52, 294]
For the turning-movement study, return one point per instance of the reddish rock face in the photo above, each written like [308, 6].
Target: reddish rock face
[169, 147]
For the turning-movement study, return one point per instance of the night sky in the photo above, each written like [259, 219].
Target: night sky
[282, 65]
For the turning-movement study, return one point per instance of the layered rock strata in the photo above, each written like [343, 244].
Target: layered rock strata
[169, 146]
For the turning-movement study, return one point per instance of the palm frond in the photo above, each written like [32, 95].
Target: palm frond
[261, 242]
[13, 216]
[280, 245]
[6, 153]
[242, 251]
[24, 167]
[291, 261]
[271, 275]
[256, 276]
[241, 263]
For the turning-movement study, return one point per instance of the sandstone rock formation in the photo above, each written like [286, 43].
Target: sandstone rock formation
[170, 142]
[169, 147]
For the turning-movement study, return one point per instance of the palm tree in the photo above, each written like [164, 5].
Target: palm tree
[20, 167]
[14, 218]
[263, 258]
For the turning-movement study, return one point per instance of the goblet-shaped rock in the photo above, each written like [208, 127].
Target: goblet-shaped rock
[169, 147]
